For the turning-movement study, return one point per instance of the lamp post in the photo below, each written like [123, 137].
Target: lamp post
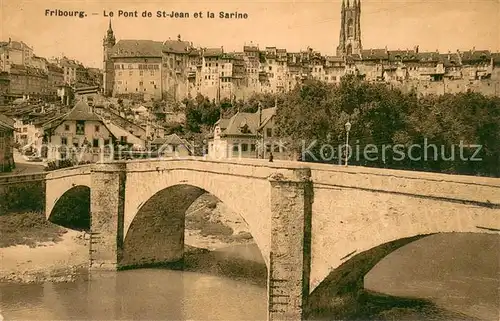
[347, 128]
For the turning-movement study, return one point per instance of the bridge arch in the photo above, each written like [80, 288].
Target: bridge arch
[58, 182]
[365, 209]
[156, 234]
[72, 209]
[342, 294]
[369, 231]
[247, 196]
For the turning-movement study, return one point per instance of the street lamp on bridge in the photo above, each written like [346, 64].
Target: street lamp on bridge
[347, 128]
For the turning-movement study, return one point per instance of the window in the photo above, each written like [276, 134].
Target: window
[235, 148]
[119, 73]
[349, 49]
[106, 142]
[269, 132]
[141, 83]
[252, 148]
[244, 147]
[64, 141]
[95, 143]
[130, 73]
[66, 127]
[350, 28]
[97, 128]
[276, 148]
[268, 148]
[80, 127]
[123, 139]
[152, 73]
[141, 73]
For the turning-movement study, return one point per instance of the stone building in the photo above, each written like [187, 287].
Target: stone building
[176, 69]
[247, 135]
[85, 134]
[172, 146]
[14, 52]
[350, 29]
[6, 144]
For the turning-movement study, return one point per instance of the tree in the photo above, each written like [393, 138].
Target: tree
[316, 112]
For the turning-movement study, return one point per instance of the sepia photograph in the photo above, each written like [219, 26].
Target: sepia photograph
[267, 160]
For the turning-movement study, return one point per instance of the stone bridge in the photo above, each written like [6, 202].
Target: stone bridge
[307, 219]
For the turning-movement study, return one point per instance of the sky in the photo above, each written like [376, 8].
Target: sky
[444, 25]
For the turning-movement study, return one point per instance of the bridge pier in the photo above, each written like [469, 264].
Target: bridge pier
[290, 255]
[107, 216]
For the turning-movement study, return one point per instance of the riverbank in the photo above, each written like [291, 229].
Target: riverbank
[33, 250]
[59, 260]
[218, 242]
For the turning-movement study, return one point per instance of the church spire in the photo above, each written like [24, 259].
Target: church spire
[350, 29]
[110, 36]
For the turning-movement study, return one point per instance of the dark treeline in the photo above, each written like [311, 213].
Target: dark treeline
[453, 133]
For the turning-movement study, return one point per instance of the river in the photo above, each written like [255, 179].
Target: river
[457, 272]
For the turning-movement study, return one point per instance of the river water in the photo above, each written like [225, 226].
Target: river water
[459, 273]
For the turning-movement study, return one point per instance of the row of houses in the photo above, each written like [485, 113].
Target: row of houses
[22, 73]
[88, 133]
[175, 69]
[84, 133]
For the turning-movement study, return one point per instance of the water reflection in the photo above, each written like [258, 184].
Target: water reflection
[141, 294]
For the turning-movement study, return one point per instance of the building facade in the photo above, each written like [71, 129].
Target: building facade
[32, 76]
[80, 133]
[247, 135]
[174, 69]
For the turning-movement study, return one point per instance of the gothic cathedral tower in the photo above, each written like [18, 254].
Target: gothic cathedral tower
[350, 29]
[108, 66]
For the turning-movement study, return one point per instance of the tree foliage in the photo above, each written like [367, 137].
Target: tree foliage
[317, 112]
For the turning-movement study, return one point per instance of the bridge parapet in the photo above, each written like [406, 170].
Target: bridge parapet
[438, 186]
[20, 178]
[258, 169]
[69, 171]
